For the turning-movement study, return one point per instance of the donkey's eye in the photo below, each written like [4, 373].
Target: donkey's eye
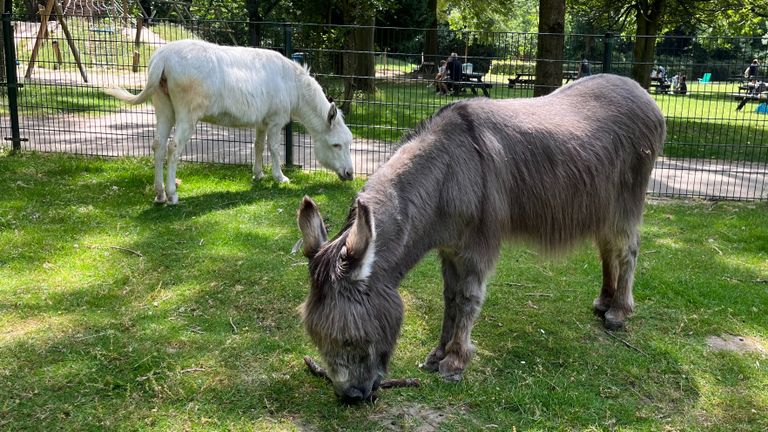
[336, 146]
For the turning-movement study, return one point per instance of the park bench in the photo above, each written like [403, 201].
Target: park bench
[472, 81]
[522, 79]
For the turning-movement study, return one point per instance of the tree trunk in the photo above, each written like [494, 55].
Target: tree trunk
[431, 47]
[359, 64]
[254, 22]
[648, 25]
[549, 55]
[365, 62]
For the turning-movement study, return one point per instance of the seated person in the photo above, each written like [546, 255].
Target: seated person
[751, 72]
[673, 82]
[682, 87]
[454, 70]
[440, 78]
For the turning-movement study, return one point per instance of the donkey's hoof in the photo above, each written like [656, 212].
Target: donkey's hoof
[173, 199]
[432, 363]
[451, 376]
[283, 179]
[613, 320]
[451, 369]
[160, 199]
[614, 325]
[600, 307]
[600, 313]
[257, 176]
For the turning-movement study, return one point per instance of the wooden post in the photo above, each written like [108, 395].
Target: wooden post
[70, 40]
[41, 33]
[137, 43]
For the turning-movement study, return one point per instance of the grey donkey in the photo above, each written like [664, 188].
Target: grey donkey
[552, 171]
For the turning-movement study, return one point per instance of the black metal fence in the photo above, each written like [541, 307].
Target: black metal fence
[713, 150]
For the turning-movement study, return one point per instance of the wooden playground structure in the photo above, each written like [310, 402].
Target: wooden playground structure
[53, 10]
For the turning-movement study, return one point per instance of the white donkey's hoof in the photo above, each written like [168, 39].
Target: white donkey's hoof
[160, 199]
[173, 199]
[257, 176]
[283, 179]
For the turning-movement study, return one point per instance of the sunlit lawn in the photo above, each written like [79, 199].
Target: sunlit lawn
[119, 315]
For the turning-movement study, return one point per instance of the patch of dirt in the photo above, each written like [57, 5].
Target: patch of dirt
[418, 418]
[739, 344]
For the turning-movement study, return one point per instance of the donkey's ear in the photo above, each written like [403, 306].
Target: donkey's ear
[312, 228]
[360, 245]
[332, 111]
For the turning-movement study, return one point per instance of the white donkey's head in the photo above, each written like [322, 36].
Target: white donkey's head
[333, 142]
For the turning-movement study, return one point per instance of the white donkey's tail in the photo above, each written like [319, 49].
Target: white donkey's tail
[154, 76]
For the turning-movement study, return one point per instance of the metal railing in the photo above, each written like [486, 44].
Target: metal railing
[712, 150]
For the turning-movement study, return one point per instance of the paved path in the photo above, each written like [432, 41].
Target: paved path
[130, 132]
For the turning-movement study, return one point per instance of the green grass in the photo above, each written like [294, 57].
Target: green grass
[119, 315]
[50, 99]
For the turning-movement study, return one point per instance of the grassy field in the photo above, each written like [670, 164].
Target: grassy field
[119, 315]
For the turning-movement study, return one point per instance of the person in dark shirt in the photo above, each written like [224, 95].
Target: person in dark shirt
[584, 69]
[682, 87]
[751, 74]
[454, 70]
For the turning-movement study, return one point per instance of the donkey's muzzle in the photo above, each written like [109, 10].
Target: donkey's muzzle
[346, 175]
[354, 395]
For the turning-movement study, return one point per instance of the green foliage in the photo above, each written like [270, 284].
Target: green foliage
[498, 15]
[512, 67]
[119, 315]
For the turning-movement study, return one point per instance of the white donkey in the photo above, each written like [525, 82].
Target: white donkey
[192, 80]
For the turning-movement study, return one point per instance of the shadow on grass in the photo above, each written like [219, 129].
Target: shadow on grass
[201, 331]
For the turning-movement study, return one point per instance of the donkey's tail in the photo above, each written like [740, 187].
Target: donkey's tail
[154, 76]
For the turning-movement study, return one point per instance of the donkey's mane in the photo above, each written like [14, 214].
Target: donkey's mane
[425, 124]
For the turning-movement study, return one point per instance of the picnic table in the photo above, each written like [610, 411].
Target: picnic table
[530, 79]
[747, 87]
[570, 75]
[472, 81]
[755, 92]
[522, 79]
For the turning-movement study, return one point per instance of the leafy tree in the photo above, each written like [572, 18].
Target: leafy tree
[651, 18]
[496, 15]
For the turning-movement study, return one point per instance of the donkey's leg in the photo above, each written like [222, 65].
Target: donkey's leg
[622, 303]
[616, 302]
[184, 129]
[165, 117]
[273, 140]
[608, 256]
[259, 135]
[450, 281]
[464, 294]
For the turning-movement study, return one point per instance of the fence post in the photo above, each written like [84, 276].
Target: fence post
[607, 52]
[287, 37]
[12, 83]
